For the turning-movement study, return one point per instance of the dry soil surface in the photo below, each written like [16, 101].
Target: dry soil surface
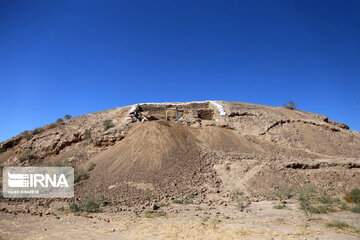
[259, 221]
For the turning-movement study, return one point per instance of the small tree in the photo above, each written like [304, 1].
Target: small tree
[59, 120]
[67, 116]
[290, 105]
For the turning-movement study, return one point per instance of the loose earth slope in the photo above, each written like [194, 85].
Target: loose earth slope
[193, 148]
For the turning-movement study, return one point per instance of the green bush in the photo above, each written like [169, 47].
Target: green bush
[88, 204]
[79, 174]
[191, 196]
[27, 135]
[152, 214]
[188, 200]
[305, 193]
[88, 135]
[67, 116]
[1, 195]
[91, 166]
[101, 199]
[324, 208]
[53, 125]
[238, 197]
[356, 209]
[73, 207]
[61, 209]
[312, 202]
[178, 201]
[283, 193]
[290, 105]
[59, 120]
[306, 196]
[308, 208]
[353, 196]
[64, 163]
[26, 156]
[108, 124]
[344, 206]
[280, 206]
[325, 199]
[337, 224]
[37, 131]
[147, 195]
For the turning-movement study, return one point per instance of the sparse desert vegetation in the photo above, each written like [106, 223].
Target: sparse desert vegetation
[79, 174]
[238, 197]
[88, 204]
[108, 124]
[178, 201]
[290, 105]
[279, 206]
[91, 166]
[314, 201]
[353, 196]
[152, 214]
[29, 134]
[27, 155]
[59, 120]
[337, 224]
[88, 135]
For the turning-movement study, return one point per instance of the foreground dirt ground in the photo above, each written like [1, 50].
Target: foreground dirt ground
[260, 220]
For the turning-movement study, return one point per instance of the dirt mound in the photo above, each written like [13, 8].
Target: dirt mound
[161, 159]
[159, 155]
[158, 152]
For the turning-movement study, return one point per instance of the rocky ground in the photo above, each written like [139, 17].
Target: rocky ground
[207, 150]
[259, 220]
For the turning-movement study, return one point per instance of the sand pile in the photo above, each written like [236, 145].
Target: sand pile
[162, 159]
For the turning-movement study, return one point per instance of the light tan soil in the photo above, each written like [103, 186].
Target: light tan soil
[259, 221]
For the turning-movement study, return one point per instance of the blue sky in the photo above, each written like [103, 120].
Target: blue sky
[76, 57]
